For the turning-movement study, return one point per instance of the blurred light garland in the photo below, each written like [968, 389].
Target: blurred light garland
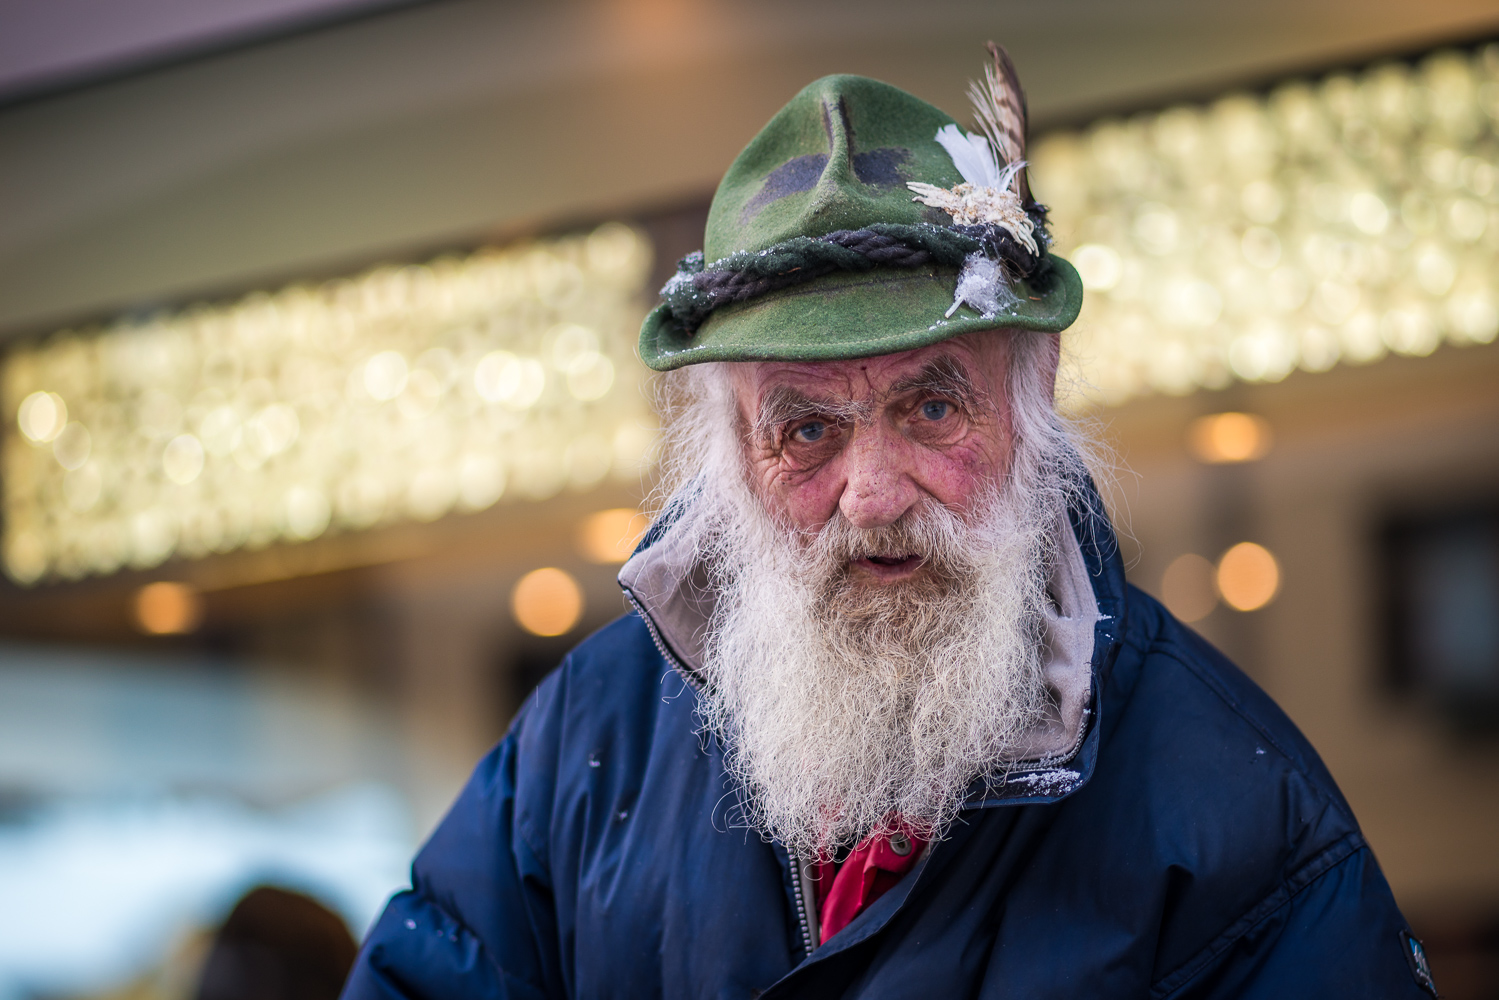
[1325, 223]
[401, 394]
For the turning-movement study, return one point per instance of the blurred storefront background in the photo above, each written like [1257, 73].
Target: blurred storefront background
[324, 434]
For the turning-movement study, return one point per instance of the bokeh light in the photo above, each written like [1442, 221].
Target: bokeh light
[1248, 577]
[168, 608]
[547, 602]
[401, 394]
[42, 416]
[1188, 589]
[1328, 222]
[609, 536]
[1229, 437]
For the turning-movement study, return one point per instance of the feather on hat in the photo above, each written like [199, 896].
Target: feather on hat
[994, 191]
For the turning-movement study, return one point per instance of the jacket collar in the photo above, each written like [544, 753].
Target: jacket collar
[666, 581]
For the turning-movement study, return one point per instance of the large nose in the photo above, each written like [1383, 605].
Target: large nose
[878, 488]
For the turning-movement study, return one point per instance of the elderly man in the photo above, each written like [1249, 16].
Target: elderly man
[886, 719]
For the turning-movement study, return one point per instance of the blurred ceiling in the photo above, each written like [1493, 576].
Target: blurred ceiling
[419, 126]
[59, 45]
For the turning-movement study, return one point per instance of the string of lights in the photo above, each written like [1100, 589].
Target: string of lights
[1324, 223]
[404, 393]
[1320, 224]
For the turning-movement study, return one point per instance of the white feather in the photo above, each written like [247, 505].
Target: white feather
[971, 154]
[1007, 176]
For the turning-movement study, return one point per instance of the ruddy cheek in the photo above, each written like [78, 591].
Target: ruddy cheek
[808, 500]
[957, 475]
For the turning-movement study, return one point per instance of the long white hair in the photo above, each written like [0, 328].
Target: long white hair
[846, 710]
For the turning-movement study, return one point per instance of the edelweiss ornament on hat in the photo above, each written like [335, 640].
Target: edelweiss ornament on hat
[816, 250]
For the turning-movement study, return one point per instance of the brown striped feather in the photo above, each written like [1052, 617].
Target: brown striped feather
[999, 105]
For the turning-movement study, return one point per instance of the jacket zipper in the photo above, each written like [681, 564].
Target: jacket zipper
[1077, 742]
[696, 683]
[802, 920]
[1026, 767]
[798, 894]
[693, 681]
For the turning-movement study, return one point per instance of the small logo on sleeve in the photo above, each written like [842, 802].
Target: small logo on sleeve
[1415, 957]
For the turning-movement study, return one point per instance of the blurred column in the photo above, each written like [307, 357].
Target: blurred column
[446, 693]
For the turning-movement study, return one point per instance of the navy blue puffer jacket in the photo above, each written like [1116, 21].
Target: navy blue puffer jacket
[1190, 844]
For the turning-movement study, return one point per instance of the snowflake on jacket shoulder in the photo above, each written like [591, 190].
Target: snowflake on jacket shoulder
[885, 719]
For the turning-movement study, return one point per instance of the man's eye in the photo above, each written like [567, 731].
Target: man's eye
[936, 409]
[810, 431]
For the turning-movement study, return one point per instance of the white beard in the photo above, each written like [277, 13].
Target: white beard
[846, 707]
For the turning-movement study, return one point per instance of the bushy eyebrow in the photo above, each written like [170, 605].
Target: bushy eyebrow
[943, 376]
[784, 405]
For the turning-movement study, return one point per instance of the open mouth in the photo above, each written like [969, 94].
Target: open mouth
[890, 567]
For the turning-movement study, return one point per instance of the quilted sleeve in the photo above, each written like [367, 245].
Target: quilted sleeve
[478, 923]
[1332, 929]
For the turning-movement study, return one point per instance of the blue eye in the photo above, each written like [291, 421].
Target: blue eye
[936, 409]
[810, 432]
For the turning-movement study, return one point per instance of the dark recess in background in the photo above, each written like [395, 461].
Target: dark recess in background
[1440, 577]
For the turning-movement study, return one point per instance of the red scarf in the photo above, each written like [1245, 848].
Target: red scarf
[873, 869]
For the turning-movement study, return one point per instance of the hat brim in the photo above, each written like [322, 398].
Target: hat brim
[854, 315]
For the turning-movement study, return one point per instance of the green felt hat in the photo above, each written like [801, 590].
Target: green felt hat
[822, 191]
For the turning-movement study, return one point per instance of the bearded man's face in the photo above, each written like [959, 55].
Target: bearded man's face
[879, 546]
[872, 438]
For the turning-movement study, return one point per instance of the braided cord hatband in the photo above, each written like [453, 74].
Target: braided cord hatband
[696, 290]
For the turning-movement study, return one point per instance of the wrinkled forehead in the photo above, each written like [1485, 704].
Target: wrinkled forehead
[975, 362]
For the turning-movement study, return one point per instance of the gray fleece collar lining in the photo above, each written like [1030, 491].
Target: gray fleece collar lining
[669, 584]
